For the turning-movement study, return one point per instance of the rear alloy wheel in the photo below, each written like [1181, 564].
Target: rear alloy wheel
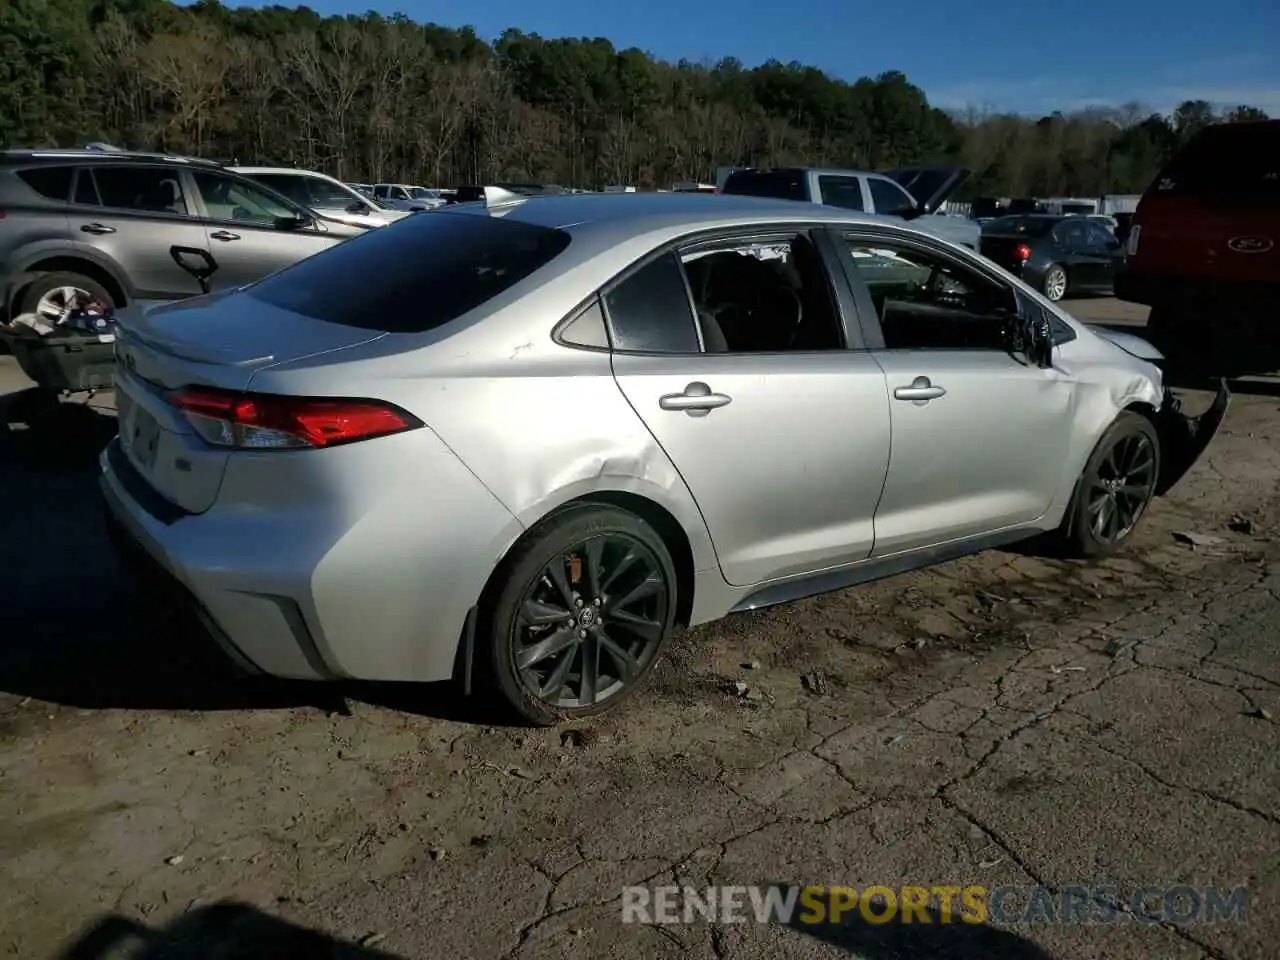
[1055, 283]
[1117, 486]
[587, 606]
[53, 296]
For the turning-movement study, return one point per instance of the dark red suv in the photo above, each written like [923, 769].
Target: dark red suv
[1204, 248]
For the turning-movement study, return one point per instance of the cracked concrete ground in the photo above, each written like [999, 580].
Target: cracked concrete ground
[1007, 719]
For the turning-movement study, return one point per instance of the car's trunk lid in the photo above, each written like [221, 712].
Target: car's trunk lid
[212, 341]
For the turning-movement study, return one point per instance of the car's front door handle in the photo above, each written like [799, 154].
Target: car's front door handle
[97, 228]
[224, 235]
[921, 391]
[697, 400]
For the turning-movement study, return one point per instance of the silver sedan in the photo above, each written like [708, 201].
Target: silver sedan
[559, 428]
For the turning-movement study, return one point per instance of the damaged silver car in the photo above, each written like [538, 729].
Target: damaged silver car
[559, 428]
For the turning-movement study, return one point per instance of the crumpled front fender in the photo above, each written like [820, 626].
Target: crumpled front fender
[1183, 439]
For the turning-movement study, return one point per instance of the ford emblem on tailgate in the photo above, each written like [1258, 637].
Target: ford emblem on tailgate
[1250, 244]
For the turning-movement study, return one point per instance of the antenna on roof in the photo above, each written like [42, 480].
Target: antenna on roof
[498, 197]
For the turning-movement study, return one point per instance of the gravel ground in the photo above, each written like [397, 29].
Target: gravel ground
[1007, 719]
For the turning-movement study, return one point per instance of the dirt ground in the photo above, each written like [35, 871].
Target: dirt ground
[1007, 719]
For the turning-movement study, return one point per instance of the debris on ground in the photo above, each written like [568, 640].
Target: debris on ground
[740, 688]
[369, 939]
[751, 665]
[1056, 670]
[174, 860]
[1240, 524]
[815, 681]
[579, 738]
[1117, 648]
[437, 853]
[1193, 539]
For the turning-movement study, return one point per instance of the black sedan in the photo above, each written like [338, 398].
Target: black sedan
[1055, 254]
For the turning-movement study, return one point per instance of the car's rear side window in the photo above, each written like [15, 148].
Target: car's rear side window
[414, 276]
[52, 183]
[777, 184]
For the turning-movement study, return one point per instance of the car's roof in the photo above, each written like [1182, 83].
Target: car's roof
[820, 171]
[283, 170]
[602, 221]
[73, 155]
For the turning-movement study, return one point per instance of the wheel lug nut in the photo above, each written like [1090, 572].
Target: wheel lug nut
[578, 602]
[595, 602]
[582, 634]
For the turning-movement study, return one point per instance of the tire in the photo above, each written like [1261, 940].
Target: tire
[1054, 284]
[598, 537]
[1120, 446]
[49, 283]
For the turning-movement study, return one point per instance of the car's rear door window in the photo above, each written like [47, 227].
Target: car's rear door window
[52, 183]
[890, 199]
[147, 189]
[842, 191]
[650, 312]
[425, 273]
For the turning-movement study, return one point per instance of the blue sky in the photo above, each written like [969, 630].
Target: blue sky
[1030, 56]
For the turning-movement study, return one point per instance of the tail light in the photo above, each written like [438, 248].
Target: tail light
[259, 421]
[1023, 252]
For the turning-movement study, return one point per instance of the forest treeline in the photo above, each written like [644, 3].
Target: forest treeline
[372, 98]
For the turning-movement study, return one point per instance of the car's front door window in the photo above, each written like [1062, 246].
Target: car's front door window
[238, 201]
[925, 300]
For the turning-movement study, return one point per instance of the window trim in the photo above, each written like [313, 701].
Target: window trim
[862, 295]
[844, 304]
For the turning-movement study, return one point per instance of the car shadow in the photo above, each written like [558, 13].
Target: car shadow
[77, 630]
[213, 932]
[936, 939]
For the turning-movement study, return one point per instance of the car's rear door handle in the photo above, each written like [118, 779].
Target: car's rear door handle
[921, 391]
[224, 235]
[97, 228]
[697, 400]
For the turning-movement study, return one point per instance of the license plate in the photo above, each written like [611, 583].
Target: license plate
[139, 435]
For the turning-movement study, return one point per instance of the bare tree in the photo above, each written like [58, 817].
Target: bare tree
[190, 70]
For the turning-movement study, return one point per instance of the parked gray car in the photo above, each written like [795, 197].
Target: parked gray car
[911, 193]
[77, 222]
[558, 427]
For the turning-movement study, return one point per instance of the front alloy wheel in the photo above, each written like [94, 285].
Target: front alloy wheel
[1055, 283]
[1117, 486]
[586, 612]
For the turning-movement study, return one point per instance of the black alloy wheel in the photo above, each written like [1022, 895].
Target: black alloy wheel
[1117, 486]
[586, 612]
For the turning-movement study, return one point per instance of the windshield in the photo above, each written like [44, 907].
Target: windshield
[430, 270]
[422, 193]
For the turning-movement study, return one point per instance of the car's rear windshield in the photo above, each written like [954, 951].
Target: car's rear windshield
[1239, 160]
[777, 184]
[1020, 226]
[414, 275]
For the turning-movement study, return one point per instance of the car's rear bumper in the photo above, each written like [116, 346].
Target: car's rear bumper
[363, 573]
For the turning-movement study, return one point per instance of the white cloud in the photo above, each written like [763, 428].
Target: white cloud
[1041, 95]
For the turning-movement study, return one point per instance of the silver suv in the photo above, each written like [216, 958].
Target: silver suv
[85, 222]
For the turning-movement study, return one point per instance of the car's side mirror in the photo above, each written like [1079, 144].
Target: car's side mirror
[1037, 337]
[298, 222]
